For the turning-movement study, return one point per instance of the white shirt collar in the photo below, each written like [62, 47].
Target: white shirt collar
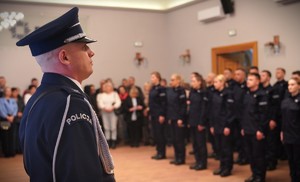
[76, 82]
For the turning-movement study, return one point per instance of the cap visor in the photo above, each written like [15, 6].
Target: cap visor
[85, 40]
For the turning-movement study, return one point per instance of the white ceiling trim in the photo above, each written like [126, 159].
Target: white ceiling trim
[158, 5]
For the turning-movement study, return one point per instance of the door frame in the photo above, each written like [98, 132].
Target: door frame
[231, 49]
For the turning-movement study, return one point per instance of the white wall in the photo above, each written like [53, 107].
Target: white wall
[165, 37]
[116, 32]
[255, 20]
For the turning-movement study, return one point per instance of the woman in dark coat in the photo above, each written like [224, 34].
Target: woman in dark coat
[221, 118]
[176, 116]
[290, 135]
[198, 102]
[134, 107]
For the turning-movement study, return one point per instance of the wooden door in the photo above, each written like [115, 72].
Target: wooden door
[221, 60]
[226, 62]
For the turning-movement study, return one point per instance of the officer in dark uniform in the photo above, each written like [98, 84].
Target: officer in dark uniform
[176, 115]
[210, 89]
[280, 90]
[272, 132]
[60, 135]
[222, 116]
[157, 110]
[239, 90]
[290, 109]
[228, 73]
[197, 114]
[254, 126]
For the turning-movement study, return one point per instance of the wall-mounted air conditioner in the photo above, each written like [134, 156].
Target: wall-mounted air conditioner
[211, 14]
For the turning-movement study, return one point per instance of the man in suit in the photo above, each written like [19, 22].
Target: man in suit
[60, 134]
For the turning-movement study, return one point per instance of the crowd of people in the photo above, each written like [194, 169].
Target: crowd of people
[236, 111]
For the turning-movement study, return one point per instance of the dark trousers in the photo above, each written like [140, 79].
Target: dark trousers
[146, 137]
[168, 135]
[178, 135]
[238, 141]
[134, 130]
[256, 153]
[199, 145]
[273, 143]
[211, 139]
[224, 145]
[9, 139]
[159, 136]
[293, 154]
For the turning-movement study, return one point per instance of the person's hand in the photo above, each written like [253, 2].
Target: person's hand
[20, 114]
[259, 135]
[180, 123]
[200, 128]
[272, 125]
[281, 136]
[10, 119]
[212, 130]
[161, 119]
[131, 109]
[109, 109]
[139, 107]
[242, 132]
[145, 112]
[226, 131]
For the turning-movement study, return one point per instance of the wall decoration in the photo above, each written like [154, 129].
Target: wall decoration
[139, 59]
[274, 45]
[20, 30]
[186, 56]
[9, 20]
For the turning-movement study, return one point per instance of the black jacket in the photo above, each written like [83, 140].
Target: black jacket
[280, 89]
[197, 114]
[230, 84]
[128, 104]
[176, 104]
[290, 109]
[255, 112]
[157, 102]
[77, 153]
[221, 110]
[239, 91]
[272, 101]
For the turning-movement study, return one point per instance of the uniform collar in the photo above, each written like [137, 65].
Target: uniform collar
[76, 82]
[56, 79]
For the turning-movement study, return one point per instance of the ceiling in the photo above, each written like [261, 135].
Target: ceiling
[158, 5]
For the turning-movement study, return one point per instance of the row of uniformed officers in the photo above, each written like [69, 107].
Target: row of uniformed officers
[227, 106]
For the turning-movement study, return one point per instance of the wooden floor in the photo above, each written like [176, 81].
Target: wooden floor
[135, 165]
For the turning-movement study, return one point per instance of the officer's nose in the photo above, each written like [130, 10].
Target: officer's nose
[91, 53]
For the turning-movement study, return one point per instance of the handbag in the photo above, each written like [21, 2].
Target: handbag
[118, 111]
[5, 125]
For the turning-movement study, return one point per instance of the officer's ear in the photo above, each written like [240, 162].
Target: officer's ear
[63, 57]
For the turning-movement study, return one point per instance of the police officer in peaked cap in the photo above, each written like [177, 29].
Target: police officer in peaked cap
[60, 135]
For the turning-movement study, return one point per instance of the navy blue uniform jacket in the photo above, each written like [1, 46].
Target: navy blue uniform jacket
[77, 158]
[157, 102]
[280, 89]
[221, 110]
[239, 90]
[290, 109]
[176, 104]
[197, 113]
[255, 112]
